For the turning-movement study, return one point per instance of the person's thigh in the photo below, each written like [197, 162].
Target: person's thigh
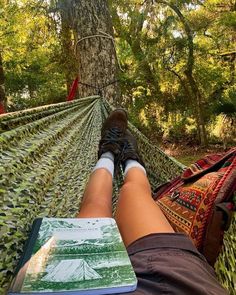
[137, 214]
[170, 264]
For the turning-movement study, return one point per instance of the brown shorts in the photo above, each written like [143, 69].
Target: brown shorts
[170, 264]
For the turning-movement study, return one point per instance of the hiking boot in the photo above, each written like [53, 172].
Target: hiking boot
[130, 149]
[112, 133]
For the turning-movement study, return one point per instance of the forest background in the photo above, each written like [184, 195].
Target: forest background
[177, 64]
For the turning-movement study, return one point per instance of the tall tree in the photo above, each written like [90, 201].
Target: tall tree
[64, 26]
[193, 91]
[132, 33]
[28, 40]
[3, 31]
[95, 49]
[3, 100]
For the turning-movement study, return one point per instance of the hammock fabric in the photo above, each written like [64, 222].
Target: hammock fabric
[47, 155]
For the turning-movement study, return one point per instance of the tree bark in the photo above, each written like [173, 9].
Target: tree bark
[68, 59]
[3, 99]
[199, 109]
[97, 62]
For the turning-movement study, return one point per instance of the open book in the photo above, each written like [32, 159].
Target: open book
[74, 256]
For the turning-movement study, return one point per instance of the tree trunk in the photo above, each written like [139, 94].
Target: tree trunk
[195, 92]
[199, 109]
[68, 58]
[132, 35]
[66, 51]
[3, 99]
[144, 67]
[96, 55]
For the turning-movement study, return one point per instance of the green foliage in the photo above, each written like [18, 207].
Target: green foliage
[164, 55]
[30, 46]
[176, 132]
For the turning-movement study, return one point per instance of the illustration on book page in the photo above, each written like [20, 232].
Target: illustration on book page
[78, 254]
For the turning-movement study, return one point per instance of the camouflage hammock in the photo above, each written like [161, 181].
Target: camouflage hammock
[47, 155]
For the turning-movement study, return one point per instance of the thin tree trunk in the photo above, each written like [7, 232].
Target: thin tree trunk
[191, 90]
[133, 38]
[68, 58]
[195, 92]
[96, 55]
[66, 52]
[199, 109]
[144, 67]
[3, 99]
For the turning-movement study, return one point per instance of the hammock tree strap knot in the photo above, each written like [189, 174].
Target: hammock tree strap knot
[99, 89]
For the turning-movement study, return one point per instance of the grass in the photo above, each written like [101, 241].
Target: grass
[190, 154]
[189, 159]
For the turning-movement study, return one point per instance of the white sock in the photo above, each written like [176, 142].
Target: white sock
[133, 164]
[106, 161]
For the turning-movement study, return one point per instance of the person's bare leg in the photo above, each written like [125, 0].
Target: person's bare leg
[97, 199]
[97, 196]
[137, 214]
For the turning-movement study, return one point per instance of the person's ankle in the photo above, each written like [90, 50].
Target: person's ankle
[106, 161]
